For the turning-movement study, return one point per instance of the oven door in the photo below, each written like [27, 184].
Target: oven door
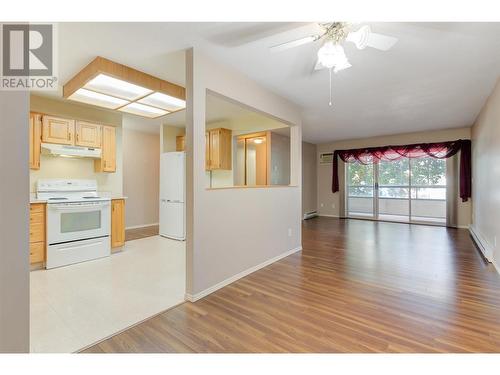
[77, 221]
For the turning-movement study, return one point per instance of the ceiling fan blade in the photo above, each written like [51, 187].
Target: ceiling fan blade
[294, 43]
[381, 42]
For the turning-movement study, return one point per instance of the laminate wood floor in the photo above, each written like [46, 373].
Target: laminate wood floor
[357, 286]
[137, 233]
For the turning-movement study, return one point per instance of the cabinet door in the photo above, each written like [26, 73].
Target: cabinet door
[207, 151]
[117, 223]
[220, 149]
[35, 140]
[180, 143]
[107, 162]
[214, 156]
[57, 130]
[88, 135]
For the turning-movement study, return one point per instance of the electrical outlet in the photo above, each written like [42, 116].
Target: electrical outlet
[333, 205]
[289, 232]
[495, 241]
[322, 205]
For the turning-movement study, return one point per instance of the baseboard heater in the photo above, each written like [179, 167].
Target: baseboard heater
[310, 215]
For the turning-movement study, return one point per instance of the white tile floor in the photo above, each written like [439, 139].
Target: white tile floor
[77, 305]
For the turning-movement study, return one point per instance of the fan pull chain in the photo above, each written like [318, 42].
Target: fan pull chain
[330, 103]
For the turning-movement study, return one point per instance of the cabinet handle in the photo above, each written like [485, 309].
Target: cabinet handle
[69, 136]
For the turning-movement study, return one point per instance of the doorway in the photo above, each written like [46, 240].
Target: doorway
[404, 190]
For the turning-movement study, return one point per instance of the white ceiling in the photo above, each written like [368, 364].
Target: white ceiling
[437, 76]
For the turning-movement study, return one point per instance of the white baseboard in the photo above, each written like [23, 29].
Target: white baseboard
[325, 215]
[463, 227]
[232, 279]
[141, 226]
[482, 244]
[497, 267]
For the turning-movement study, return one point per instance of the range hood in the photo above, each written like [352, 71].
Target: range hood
[70, 151]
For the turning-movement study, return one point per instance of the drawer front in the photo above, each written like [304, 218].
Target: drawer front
[37, 252]
[37, 232]
[37, 207]
[37, 218]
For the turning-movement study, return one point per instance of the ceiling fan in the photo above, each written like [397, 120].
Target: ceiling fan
[331, 55]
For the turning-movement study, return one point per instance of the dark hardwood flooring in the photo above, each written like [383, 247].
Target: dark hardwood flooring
[137, 233]
[357, 286]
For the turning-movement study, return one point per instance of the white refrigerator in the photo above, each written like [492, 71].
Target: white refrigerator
[172, 195]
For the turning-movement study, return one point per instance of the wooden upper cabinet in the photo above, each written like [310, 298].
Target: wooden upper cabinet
[88, 134]
[58, 130]
[117, 223]
[180, 143]
[207, 150]
[35, 139]
[107, 162]
[219, 145]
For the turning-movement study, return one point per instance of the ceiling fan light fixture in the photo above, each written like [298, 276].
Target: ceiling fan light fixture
[361, 37]
[332, 55]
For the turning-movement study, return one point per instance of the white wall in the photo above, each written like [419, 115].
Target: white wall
[232, 230]
[328, 202]
[141, 171]
[486, 175]
[14, 222]
[309, 178]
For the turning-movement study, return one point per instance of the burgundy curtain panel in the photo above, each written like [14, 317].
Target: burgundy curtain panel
[439, 150]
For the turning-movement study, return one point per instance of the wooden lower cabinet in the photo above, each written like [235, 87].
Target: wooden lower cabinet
[37, 232]
[117, 224]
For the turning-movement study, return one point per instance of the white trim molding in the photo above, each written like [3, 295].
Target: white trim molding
[232, 279]
[325, 215]
[482, 244]
[497, 266]
[141, 226]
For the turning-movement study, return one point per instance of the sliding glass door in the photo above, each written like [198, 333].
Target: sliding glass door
[360, 190]
[394, 190]
[404, 190]
[428, 190]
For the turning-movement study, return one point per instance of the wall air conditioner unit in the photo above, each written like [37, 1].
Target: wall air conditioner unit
[326, 158]
[70, 151]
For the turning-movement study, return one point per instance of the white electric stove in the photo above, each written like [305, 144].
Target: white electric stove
[78, 221]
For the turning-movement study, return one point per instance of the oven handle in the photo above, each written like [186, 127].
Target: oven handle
[79, 207]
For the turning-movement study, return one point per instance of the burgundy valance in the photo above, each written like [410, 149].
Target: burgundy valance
[439, 150]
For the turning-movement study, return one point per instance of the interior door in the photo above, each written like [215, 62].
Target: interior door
[360, 190]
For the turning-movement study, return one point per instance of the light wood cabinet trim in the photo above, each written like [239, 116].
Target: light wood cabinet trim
[58, 130]
[117, 224]
[35, 139]
[88, 134]
[101, 65]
